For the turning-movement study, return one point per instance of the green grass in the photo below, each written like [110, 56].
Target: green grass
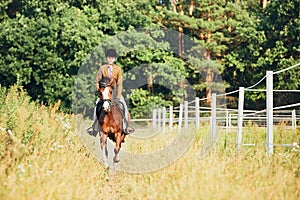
[43, 157]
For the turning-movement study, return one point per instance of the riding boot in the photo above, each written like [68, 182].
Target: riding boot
[127, 129]
[94, 129]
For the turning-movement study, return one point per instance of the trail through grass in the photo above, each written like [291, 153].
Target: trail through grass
[43, 157]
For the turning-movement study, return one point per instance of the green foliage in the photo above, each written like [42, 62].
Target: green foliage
[224, 29]
[43, 44]
[273, 45]
[46, 49]
[147, 62]
[143, 103]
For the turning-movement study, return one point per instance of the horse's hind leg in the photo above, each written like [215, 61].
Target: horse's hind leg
[104, 149]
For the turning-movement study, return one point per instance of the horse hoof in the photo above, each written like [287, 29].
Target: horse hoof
[106, 165]
[116, 160]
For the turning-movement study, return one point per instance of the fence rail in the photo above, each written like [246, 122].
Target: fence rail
[191, 112]
[288, 117]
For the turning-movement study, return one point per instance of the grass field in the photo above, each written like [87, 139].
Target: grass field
[43, 157]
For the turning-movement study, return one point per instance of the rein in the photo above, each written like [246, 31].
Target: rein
[111, 103]
[106, 82]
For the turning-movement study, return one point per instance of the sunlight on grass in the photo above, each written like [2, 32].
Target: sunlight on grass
[42, 157]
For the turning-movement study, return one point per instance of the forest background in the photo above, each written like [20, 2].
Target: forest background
[43, 44]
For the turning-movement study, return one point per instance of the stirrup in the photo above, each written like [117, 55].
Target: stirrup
[129, 130]
[91, 131]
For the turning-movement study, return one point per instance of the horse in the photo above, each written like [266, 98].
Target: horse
[109, 117]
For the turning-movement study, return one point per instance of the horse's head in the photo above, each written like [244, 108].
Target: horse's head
[106, 89]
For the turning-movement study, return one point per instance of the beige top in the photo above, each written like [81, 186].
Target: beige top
[116, 75]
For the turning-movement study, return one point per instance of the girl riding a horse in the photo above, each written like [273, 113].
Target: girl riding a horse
[114, 73]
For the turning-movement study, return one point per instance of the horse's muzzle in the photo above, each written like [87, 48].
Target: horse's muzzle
[106, 105]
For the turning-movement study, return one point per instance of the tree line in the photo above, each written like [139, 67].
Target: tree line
[44, 44]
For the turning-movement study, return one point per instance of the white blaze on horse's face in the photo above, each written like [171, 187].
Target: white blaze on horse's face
[106, 95]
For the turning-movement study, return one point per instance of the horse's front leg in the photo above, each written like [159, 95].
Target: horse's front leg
[117, 148]
[104, 149]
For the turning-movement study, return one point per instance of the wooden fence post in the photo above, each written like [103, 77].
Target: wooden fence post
[154, 118]
[159, 119]
[227, 121]
[180, 117]
[294, 120]
[171, 118]
[214, 117]
[197, 111]
[164, 119]
[240, 118]
[186, 114]
[230, 123]
[269, 112]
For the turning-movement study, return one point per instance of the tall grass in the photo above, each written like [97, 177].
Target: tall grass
[42, 157]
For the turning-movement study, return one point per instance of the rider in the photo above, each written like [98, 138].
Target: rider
[114, 72]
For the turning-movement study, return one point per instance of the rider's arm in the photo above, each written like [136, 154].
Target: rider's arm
[99, 77]
[119, 83]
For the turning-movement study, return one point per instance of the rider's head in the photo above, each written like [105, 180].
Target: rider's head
[111, 56]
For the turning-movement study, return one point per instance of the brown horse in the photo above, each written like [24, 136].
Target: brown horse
[110, 120]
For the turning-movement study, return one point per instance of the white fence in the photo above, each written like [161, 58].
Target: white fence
[190, 112]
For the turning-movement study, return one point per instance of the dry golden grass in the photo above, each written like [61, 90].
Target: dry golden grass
[42, 157]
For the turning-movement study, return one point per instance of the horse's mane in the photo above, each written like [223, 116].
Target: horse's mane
[104, 82]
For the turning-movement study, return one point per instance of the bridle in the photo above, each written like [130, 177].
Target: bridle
[109, 101]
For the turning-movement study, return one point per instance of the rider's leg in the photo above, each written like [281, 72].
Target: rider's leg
[126, 126]
[96, 126]
[122, 100]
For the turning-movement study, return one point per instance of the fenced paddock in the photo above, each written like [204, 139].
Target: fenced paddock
[234, 120]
